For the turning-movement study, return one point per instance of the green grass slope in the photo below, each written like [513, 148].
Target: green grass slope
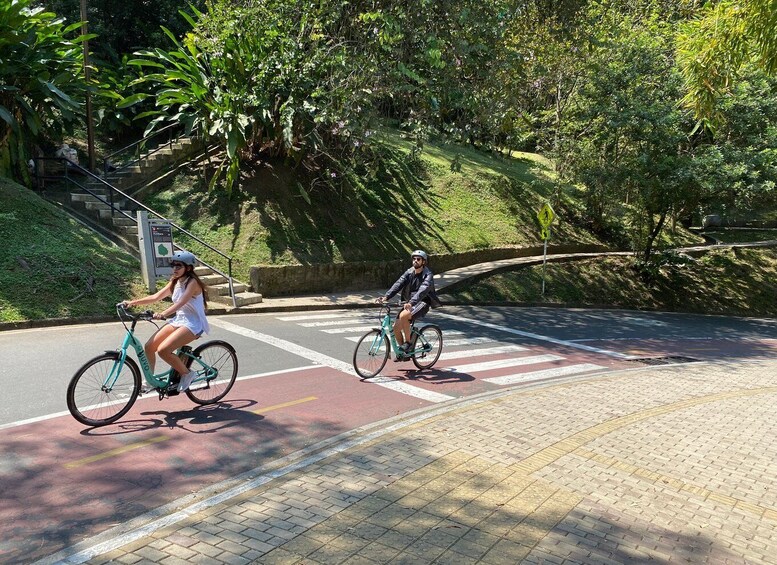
[52, 266]
[449, 199]
[733, 282]
[408, 203]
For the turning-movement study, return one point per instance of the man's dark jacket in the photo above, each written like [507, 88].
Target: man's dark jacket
[416, 287]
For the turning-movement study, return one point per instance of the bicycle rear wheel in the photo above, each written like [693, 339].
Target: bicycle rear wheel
[430, 339]
[371, 354]
[222, 360]
[94, 401]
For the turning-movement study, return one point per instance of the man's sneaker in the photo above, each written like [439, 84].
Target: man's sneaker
[186, 381]
[402, 353]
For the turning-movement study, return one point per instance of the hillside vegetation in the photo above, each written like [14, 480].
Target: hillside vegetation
[449, 199]
[52, 266]
[733, 282]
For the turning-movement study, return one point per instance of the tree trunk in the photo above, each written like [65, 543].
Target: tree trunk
[653, 235]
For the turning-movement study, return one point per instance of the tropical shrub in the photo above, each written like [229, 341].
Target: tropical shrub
[41, 81]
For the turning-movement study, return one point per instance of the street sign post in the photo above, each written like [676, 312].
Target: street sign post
[155, 239]
[546, 215]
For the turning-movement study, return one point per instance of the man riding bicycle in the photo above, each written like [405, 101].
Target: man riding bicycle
[417, 286]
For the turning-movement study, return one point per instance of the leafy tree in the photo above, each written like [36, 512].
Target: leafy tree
[259, 79]
[123, 26]
[625, 141]
[737, 166]
[41, 81]
[713, 47]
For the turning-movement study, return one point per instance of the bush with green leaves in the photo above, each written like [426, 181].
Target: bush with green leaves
[266, 81]
[305, 81]
[41, 81]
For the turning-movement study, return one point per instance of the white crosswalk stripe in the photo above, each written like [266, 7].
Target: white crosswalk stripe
[544, 374]
[480, 352]
[445, 335]
[352, 329]
[503, 363]
[465, 341]
[331, 323]
[342, 314]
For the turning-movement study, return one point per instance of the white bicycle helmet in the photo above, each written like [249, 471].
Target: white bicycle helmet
[421, 254]
[184, 257]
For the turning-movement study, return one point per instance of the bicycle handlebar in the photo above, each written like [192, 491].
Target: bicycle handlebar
[389, 305]
[146, 315]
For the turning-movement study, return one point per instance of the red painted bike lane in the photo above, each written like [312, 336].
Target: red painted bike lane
[61, 482]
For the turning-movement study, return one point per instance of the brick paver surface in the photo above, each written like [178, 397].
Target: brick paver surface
[661, 465]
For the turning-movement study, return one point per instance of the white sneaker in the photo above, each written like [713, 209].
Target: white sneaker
[186, 381]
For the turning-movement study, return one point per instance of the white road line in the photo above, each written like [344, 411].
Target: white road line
[331, 323]
[352, 329]
[327, 361]
[479, 352]
[502, 363]
[465, 341]
[536, 336]
[544, 374]
[154, 396]
[445, 335]
[340, 314]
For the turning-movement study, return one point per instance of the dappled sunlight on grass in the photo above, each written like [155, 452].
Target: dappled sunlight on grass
[736, 282]
[407, 203]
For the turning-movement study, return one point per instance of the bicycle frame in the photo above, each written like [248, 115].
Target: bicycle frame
[161, 380]
[387, 328]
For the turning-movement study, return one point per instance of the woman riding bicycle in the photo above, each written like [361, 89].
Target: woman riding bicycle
[189, 302]
[417, 286]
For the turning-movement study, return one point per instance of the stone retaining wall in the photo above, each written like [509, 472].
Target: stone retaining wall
[369, 275]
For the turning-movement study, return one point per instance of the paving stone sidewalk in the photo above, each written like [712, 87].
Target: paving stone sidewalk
[659, 465]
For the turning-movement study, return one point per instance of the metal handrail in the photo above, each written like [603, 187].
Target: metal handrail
[135, 146]
[70, 166]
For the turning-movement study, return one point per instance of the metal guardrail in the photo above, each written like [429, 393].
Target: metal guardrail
[170, 133]
[69, 169]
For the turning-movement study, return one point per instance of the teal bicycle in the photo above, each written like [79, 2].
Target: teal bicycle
[106, 387]
[373, 349]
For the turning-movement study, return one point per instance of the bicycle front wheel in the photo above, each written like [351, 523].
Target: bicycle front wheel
[430, 340]
[217, 361]
[95, 397]
[371, 354]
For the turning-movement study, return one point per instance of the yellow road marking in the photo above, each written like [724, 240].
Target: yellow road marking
[113, 452]
[284, 405]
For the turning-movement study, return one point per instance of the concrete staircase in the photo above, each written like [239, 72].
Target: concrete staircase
[218, 289]
[94, 209]
[148, 168]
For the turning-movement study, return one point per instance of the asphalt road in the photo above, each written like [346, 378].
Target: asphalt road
[61, 482]
[37, 364]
